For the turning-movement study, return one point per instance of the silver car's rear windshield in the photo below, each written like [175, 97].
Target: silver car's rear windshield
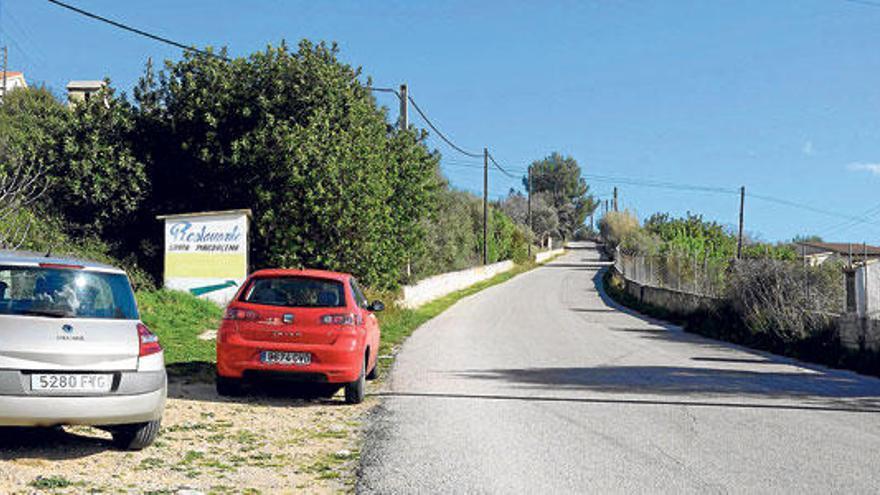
[65, 293]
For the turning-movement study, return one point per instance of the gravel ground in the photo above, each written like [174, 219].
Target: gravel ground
[271, 442]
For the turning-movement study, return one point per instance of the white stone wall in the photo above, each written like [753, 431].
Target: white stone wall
[546, 255]
[868, 301]
[446, 283]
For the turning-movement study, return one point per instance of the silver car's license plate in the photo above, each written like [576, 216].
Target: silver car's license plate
[289, 358]
[70, 382]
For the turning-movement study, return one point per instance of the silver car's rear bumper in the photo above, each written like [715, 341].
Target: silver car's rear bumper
[105, 410]
[138, 397]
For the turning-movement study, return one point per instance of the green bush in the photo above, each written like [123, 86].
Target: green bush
[615, 225]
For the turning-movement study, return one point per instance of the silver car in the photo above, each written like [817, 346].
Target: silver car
[73, 350]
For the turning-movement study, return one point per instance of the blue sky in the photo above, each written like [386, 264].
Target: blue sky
[782, 97]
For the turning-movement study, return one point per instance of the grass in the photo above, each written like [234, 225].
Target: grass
[178, 318]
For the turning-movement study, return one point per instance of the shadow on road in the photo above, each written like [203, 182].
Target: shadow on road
[582, 266]
[856, 407]
[674, 380]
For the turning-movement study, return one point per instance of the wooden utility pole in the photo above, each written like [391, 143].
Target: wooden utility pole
[5, 69]
[615, 198]
[404, 107]
[403, 122]
[742, 203]
[485, 206]
[529, 210]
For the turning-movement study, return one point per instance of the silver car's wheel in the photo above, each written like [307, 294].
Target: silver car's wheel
[136, 436]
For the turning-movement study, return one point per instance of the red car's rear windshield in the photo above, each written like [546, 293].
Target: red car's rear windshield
[295, 292]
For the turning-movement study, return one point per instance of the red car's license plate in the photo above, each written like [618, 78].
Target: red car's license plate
[288, 358]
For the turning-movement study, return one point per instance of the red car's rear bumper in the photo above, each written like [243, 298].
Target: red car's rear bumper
[339, 362]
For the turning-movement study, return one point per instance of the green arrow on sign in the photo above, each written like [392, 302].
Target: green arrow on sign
[201, 291]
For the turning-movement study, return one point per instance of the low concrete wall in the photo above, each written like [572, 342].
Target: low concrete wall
[681, 303]
[858, 333]
[446, 283]
[546, 255]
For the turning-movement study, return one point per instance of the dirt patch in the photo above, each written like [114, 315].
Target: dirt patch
[276, 440]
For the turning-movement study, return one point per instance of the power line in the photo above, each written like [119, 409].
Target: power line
[428, 121]
[442, 136]
[868, 3]
[833, 229]
[492, 158]
[137, 31]
[811, 208]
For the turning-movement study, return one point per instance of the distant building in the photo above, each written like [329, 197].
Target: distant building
[78, 91]
[863, 289]
[14, 80]
[817, 253]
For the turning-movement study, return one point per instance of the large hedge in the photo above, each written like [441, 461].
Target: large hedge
[296, 137]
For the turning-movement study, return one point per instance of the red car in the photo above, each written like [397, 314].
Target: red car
[304, 325]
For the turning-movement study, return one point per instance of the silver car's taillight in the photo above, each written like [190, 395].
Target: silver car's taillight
[148, 341]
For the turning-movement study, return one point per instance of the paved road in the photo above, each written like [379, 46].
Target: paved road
[542, 385]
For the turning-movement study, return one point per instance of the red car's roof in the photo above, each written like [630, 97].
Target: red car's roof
[289, 272]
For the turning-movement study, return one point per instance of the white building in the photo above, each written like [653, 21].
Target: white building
[14, 80]
[78, 91]
[817, 253]
[863, 289]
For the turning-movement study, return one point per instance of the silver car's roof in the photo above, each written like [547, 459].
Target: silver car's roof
[35, 259]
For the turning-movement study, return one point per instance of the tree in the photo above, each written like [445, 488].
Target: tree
[32, 124]
[99, 183]
[83, 157]
[559, 179]
[298, 139]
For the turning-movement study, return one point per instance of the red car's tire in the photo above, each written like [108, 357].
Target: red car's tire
[228, 387]
[357, 390]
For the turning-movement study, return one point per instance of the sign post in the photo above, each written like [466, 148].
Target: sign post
[206, 254]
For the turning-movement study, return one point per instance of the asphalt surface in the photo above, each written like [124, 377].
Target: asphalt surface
[541, 384]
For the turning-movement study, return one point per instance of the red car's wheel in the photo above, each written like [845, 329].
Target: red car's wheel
[356, 390]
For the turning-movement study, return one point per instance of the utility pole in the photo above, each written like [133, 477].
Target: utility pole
[485, 206]
[5, 69]
[404, 107]
[403, 121]
[742, 203]
[615, 198]
[529, 210]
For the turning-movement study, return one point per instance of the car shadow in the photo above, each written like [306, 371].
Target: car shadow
[52, 444]
[195, 381]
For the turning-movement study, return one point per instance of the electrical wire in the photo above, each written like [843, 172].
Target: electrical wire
[813, 209]
[137, 31]
[868, 3]
[492, 158]
[835, 228]
[440, 134]
[427, 121]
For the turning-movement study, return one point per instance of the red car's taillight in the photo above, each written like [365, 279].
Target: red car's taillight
[237, 314]
[148, 341]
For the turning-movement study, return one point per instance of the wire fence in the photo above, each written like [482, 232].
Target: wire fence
[757, 286]
[689, 274]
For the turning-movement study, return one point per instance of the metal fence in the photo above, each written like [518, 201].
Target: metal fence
[760, 285]
[688, 274]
